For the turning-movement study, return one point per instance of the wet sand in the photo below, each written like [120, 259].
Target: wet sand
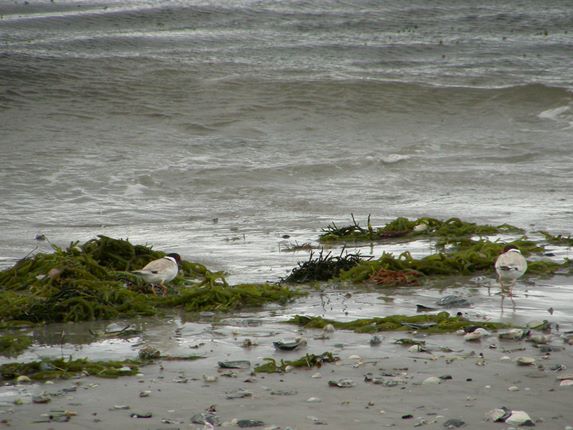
[471, 386]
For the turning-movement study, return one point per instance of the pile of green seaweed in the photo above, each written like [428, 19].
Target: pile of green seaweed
[94, 281]
[458, 252]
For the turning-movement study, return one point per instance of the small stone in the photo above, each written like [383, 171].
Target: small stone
[250, 423]
[513, 388]
[431, 380]
[314, 400]
[454, 423]
[525, 361]
[23, 379]
[146, 393]
[316, 376]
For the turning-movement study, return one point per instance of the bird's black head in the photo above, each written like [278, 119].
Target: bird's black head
[510, 247]
[175, 256]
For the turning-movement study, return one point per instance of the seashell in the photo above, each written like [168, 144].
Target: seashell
[519, 418]
[289, 344]
[23, 379]
[420, 227]
[525, 361]
[498, 414]
[540, 339]
[342, 383]
[210, 378]
[566, 382]
[235, 364]
[328, 328]
[513, 334]
[431, 380]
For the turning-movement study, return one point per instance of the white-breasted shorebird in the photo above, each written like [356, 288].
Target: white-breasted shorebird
[510, 266]
[160, 271]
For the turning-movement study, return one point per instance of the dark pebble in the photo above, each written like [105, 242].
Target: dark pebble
[454, 423]
[250, 423]
[407, 416]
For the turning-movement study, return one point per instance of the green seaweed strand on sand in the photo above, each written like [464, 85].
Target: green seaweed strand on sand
[441, 322]
[61, 368]
[558, 239]
[93, 281]
[412, 229]
[308, 361]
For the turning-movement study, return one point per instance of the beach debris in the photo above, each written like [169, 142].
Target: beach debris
[431, 380]
[235, 364]
[149, 353]
[342, 383]
[375, 340]
[248, 343]
[145, 393]
[283, 392]
[454, 423]
[210, 378]
[290, 344]
[566, 383]
[207, 417]
[525, 361]
[314, 400]
[498, 415]
[541, 325]
[316, 420]
[141, 415]
[383, 379]
[121, 407]
[309, 360]
[443, 322]
[423, 308]
[513, 334]
[323, 267]
[14, 345]
[476, 334]
[395, 278]
[519, 418]
[539, 339]
[247, 423]
[409, 341]
[23, 379]
[42, 398]
[453, 301]
[419, 326]
[239, 393]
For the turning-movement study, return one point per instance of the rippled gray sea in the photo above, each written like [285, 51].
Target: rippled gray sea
[213, 128]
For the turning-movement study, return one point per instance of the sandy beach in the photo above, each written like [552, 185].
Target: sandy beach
[454, 382]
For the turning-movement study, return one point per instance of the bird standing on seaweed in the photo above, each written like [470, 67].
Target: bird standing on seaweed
[161, 270]
[510, 266]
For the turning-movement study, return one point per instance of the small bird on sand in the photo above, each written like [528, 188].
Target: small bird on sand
[510, 266]
[161, 270]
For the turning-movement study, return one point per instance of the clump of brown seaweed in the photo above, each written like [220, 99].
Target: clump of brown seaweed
[93, 281]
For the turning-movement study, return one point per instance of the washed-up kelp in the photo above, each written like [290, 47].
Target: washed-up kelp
[93, 281]
[452, 228]
[223, 299]
[466, 258]
[308, 361]
[441, 322]
[12, 346]
[558, 239]
[395, 278]
[323, 267]
[61, 368]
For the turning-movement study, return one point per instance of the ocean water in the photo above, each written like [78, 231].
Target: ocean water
[218, 128]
